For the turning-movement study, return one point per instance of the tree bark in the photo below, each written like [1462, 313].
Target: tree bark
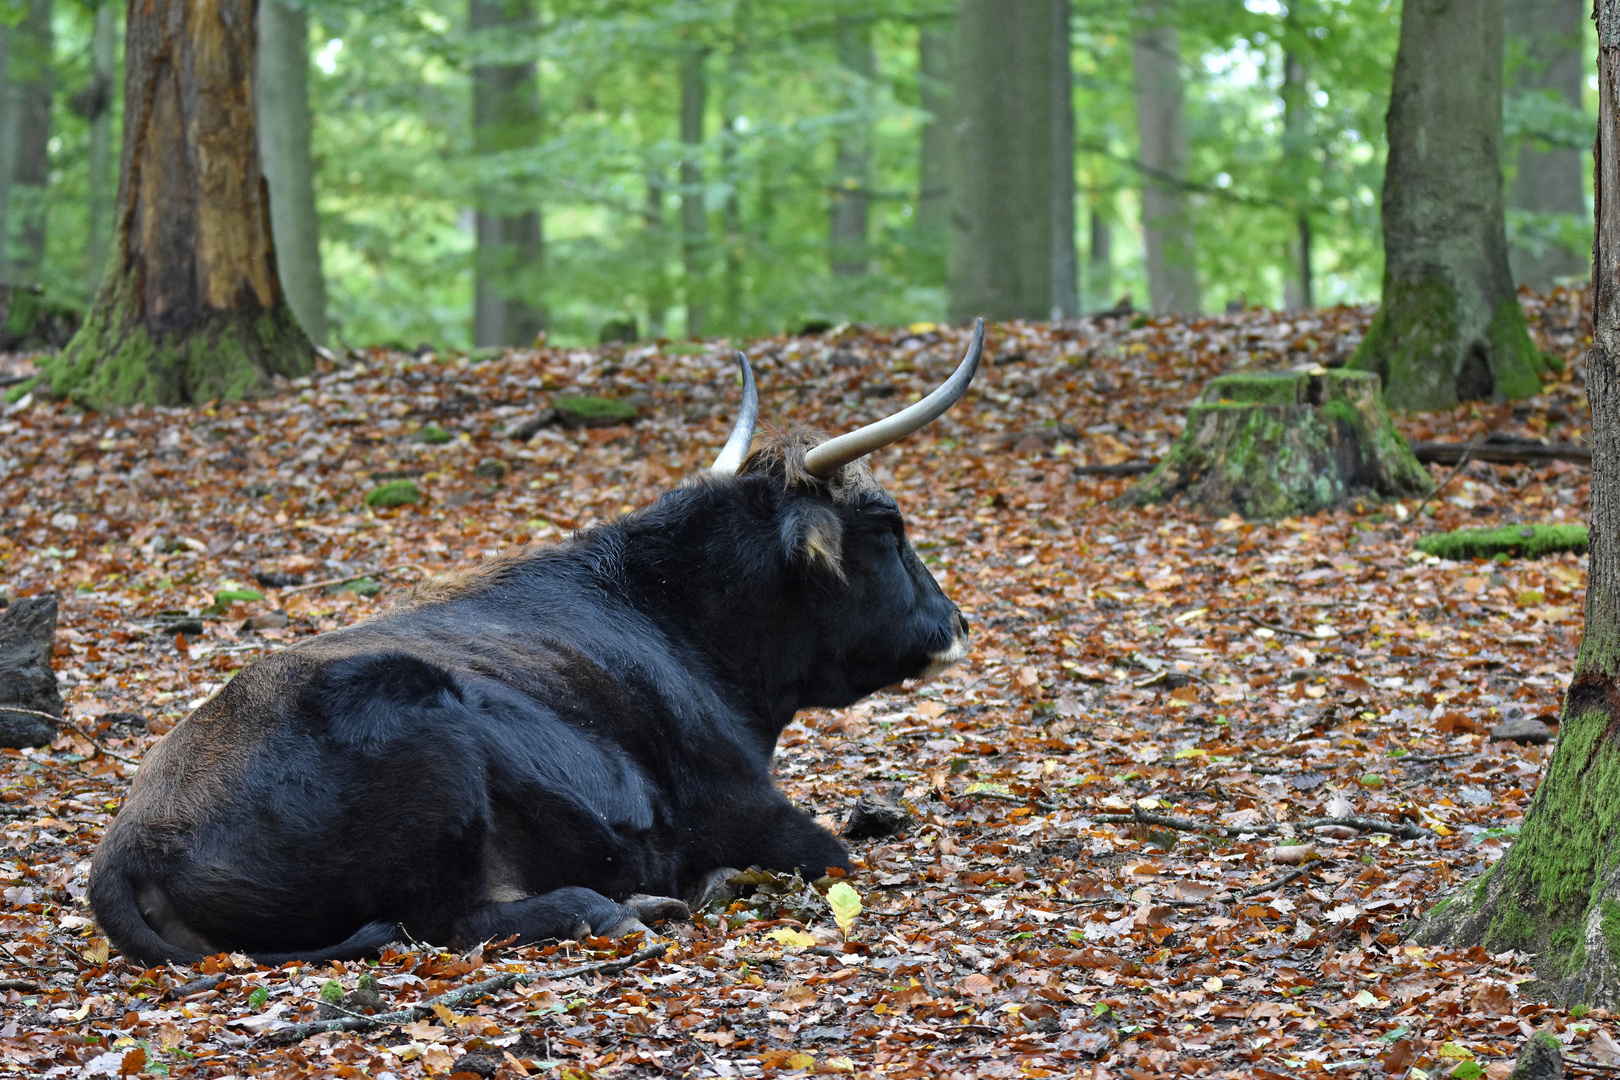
[1449, 328]
[284, 145]
[652, 220]
[1556, 892]
[1167, 231]
[1544, 36]
[1100, 260]
[1296, 148]
[1065, 268]
[694, 216]
[935, 147]
[191, 307]
[25, 130]
[852, 180]
[506, 118]
[103, 184]
[1000, 263]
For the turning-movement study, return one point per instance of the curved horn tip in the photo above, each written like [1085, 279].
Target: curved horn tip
[742, 434]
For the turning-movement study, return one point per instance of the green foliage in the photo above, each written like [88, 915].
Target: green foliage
[1516, 541]
[393, 493]
[397, 169]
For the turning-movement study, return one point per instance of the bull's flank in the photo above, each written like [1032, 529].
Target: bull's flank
[568, 740]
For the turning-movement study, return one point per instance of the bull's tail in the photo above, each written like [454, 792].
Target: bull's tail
[118, 913]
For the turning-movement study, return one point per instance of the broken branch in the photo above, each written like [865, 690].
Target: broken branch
[412, 1013]
[1399, 829]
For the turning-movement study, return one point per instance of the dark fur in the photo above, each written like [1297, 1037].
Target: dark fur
[572, 725]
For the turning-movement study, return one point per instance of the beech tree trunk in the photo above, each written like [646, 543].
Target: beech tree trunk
[25, 135]
[284, 145]
[190, 308]
[1099, 260]
[1556, 891]
[1065, 269]
[1296, 148]
[1450, 328]
[506, 118]
[1161, 124]
[934, 75]
[1000, 264]
[103, 184]
[852, 180]
[1544, 42]
[694, 216]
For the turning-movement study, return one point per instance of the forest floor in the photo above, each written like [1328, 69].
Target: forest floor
[1243, 675]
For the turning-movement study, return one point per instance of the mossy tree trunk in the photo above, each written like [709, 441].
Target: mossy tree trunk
[1274, 444]
[1556, 891]
[190, 307]
[1449, 328]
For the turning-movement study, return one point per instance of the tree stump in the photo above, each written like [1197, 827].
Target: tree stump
[1274, 444]
[30, 706]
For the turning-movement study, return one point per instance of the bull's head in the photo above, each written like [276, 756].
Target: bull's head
[842, 538]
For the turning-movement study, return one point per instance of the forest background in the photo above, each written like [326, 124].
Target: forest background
[728, 167]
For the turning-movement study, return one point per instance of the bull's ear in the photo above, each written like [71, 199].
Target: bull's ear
[813, 535]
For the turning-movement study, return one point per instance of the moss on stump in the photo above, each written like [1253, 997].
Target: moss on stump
[1273, 444]
[593, 411]
[1514, 541]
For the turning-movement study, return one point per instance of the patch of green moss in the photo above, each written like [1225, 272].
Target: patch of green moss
[434, 435]
[393, 493]
[1258, 388]
[1517, 541]
[1511, 927]
[586, 410]
[1611, 927]
[16, 393]
[1516, 363]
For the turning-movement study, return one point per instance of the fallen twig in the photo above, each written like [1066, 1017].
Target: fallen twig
[97, 744]
[1438, 488]
[1286, 630]
[195, 986]
[18, 984]
[411, 1013]
[1401, 829]
[1269, 885]
[328, 581]
[1502, 453]
[1594, 1066]
[1424, 759]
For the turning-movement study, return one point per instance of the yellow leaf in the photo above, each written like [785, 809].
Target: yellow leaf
[988, 790]
[845, 903]
[443, 1013]
[801, 1060]
[1452, 1050]
[922, 327]
[788, 936]
[1188, 616]
[1191, 751]
[839, 1064]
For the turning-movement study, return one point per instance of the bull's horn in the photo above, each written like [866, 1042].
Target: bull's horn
[742, 435]
[822, 460]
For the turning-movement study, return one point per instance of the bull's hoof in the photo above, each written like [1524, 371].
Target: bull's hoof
[626, 928]
[714, 886]
[655, 908]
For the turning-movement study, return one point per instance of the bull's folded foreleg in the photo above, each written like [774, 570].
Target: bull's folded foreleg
[572, 912]
[788, 839]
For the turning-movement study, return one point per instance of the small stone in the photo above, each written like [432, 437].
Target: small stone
[484, 1065]
[874, 817]
[27, 683]
[367, 995]
[1541, 1059]
[1523, 731]
[128, 719]
[490, 469]
[529, 428]
[270, 620]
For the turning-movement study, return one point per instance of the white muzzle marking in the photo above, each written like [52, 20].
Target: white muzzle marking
[941, 662]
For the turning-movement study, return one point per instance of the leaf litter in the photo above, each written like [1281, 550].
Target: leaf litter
[1036, 916]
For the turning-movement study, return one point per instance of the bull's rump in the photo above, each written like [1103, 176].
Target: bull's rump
[330, 787]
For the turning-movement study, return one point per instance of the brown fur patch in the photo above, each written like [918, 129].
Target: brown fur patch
[470, 579]
[780, 453]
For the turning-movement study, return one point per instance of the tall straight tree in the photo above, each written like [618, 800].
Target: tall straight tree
[934, 41]
[1065, 268]
[1000, 263]
[191, 307]
[694, 215]
[1161, 127]
[852, 181]
[1450, 328]
[506, 118]
[98, 110]
[1544, 46]
[25, 135]
[1296, 147]
[1556, 892]
[284, 146]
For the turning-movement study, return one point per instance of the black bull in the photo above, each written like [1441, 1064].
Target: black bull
[560, 741]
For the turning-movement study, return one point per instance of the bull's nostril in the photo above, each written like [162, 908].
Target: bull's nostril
[961, 620]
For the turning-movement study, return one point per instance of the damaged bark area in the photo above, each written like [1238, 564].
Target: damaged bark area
[1556, 892]
[190, 307]
[1274, 444]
